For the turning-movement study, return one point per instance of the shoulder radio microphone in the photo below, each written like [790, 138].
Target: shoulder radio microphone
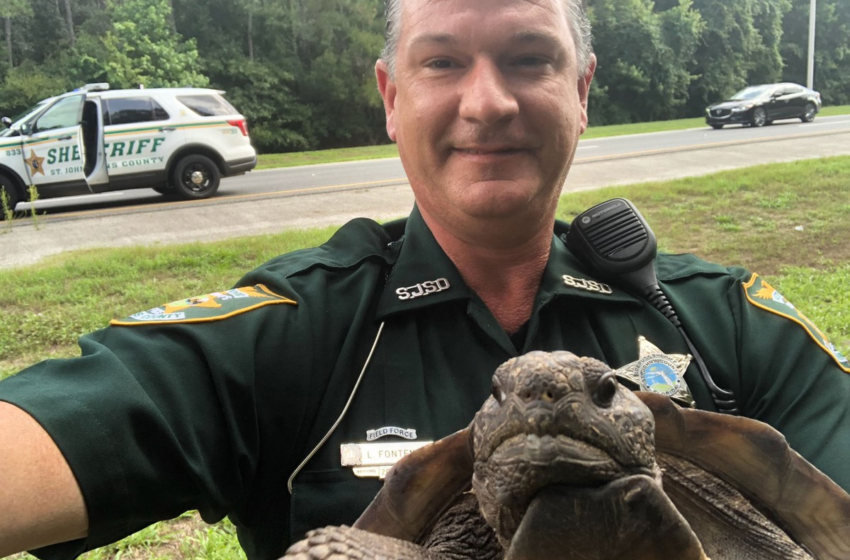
[614, 240]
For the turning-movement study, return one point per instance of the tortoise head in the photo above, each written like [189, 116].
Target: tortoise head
[555, 419]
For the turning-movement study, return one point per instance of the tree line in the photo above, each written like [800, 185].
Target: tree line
[302, 70]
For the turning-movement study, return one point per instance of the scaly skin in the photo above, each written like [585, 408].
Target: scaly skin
[555, 418]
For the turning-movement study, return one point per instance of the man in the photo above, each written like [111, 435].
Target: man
[258, 402]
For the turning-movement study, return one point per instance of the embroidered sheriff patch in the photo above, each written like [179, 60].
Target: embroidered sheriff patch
[763, 295]
[210, 307]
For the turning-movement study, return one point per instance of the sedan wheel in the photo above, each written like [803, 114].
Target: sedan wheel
[809, 113]
[759, 117]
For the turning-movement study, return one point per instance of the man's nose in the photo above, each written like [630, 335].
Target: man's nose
[486, 98]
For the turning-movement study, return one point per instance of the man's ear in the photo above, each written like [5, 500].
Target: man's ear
[387, 87]
[584, 89]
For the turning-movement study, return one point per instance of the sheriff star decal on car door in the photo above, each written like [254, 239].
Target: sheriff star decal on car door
[36, 163]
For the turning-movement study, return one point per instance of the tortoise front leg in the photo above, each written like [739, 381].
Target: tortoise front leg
[628, 519]
[459, 532]
[347, 543]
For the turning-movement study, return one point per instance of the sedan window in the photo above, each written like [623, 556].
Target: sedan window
[751, 93]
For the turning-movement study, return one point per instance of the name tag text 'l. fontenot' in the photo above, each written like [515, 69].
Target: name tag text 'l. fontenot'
[376, 454]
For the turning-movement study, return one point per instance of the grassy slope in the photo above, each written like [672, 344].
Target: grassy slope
[785, 221]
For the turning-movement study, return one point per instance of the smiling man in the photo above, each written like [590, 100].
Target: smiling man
[282, 401]
[487, 101]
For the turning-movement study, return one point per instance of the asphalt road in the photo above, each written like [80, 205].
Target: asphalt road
[272, 201]
[375, 173]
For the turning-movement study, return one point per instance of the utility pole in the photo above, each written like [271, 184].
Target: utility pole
[810, 82]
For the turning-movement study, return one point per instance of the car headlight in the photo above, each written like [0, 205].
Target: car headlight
[741, 109]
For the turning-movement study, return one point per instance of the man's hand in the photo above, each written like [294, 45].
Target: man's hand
[40, 501]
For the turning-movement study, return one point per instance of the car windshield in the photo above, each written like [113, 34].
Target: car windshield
[751, 93]
[20, 117]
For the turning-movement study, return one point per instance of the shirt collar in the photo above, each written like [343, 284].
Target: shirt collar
[423, 275]
[565, 275]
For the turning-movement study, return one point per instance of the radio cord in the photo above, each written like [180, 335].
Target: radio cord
[724, 400]
[341, 416]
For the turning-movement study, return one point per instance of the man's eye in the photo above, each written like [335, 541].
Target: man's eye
[441, 64]
[530, 61]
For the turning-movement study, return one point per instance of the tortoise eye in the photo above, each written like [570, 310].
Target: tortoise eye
[606, 388]
[497, 392]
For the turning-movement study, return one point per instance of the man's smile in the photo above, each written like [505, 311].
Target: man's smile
[495, 152]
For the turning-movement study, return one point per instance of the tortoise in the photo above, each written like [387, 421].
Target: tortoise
[561, 462]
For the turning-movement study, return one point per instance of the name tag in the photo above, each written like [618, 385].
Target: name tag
[373, 460]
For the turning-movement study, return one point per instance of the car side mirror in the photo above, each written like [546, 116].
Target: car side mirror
[6, 121]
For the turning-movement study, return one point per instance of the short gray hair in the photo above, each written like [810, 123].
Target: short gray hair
[576, 16]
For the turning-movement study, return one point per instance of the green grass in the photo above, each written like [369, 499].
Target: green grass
[47, 307]
[185, 538]
[641, 128]
[765, 218]
[835, 110]
[272, 161]
[787, 222]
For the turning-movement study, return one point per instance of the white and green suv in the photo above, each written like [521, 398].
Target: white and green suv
[93, 140]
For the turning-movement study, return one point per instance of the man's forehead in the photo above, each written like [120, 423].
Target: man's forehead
[419, 13]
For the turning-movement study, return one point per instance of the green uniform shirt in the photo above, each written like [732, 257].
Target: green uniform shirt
[212, 403]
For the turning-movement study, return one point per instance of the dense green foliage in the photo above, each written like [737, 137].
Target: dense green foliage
[302, 70]
[832, 52]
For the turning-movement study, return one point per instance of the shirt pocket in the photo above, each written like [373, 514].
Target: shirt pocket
[329, 497]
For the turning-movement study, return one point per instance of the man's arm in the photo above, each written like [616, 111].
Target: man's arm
[40, 500]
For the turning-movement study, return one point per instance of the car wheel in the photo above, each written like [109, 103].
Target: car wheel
[759, 117]
[809, 113]
[13, 196]
[195, 177]
[717, 126]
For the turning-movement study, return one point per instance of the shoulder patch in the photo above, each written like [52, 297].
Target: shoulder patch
[203, 309]
[763, 295]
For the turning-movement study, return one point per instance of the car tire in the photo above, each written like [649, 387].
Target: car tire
[195, 177]
[759, 117]
[809, 113]
[717, 126]
[12, 193]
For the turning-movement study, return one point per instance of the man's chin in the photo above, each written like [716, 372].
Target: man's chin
[498, 200]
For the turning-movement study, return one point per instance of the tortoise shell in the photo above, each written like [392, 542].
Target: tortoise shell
[730, 487]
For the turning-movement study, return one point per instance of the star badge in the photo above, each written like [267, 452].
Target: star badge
[657, 372]
[36, 164]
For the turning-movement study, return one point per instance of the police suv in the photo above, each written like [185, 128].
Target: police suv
[175, 140]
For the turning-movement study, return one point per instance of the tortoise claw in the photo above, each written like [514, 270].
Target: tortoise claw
[346, 543]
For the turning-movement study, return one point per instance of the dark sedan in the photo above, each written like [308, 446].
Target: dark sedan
[761, 105]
